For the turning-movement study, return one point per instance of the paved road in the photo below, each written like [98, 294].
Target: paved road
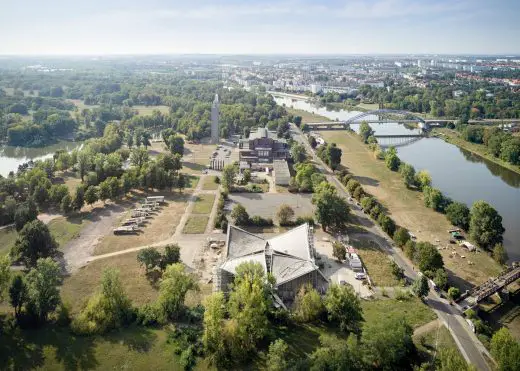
[469, 345]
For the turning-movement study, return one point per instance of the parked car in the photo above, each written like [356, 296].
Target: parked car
[360, 276]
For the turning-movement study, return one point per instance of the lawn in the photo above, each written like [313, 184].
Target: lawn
[55, 348]
[433, 341]
[160, 226]
[376, 262]
[406, 206]
[191, 181]
[7, 239]
[209, 183]
[368, 106]
[196, 224]
[307, 116]
[413, 310]
[196, 156]
[65, 229]
[203, 204]
[148, 110]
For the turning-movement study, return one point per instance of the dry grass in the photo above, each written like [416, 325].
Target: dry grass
[376, 262]
[406, 207]
[196, 224]
[196, 156]
[433, 341]
[306, 116]
[65, 229]
[79, 287]
[209, 183]
[158, 228]
[203, 204]
[191, 181]
[81, 105]
[157, 147]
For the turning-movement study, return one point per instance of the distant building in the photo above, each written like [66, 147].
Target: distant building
[262, 148]
[316, 88]
[289, 257]
[214, 120]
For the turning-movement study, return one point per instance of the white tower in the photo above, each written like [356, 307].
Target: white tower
[214, 120]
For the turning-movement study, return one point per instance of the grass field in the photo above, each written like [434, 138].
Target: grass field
[415, 312]
[196, 156]
[196, 224]
[158, 228]
[55, 348]
[368, 106]
[432, 342]
[81, 105]
[65, 229]
[306, 116]
[376, 262]
[452, 136]
[407, 208]
[209, 183]
[148, 110]
[191, 181]
[203, 204]
[7, 239]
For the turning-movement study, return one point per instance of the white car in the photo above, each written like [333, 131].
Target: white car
[360, 276]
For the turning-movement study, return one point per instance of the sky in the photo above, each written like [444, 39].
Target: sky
[96, 27]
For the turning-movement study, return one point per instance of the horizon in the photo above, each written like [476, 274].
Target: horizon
[238, 27]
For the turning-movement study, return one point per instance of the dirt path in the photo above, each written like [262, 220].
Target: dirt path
[427, 327]
[78, 251]
[46, 217]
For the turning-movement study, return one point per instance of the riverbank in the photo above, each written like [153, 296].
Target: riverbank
[306, 116]
[407, 208]
[453, 137]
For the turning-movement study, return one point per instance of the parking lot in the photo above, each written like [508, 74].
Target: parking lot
[266, 204]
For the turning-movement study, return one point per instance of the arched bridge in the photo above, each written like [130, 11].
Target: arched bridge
[382, 116]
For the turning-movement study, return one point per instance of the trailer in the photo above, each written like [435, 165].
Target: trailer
[159, 199]
[150, 206]
[143, 209]
[135, 220]
[127, 229]
[139, 214]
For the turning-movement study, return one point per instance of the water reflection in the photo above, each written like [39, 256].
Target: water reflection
[508, 176]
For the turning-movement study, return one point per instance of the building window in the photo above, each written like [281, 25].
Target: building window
[263, 153]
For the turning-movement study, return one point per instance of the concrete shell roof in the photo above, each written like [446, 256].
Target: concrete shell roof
[294, 242]
[286, 268]
[241, 243]
[232, 264]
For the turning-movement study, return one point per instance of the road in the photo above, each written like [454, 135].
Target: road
[467, 342]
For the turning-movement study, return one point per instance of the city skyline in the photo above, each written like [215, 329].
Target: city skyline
[299, 27]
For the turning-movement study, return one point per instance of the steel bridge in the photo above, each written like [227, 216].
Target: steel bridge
[488, 288]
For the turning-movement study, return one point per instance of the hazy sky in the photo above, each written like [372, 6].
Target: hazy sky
[260, 26]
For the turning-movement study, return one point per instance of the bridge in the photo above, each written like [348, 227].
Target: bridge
[488, 288]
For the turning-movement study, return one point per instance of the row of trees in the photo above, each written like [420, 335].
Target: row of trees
[499, 143]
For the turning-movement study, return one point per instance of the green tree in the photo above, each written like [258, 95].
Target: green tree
[506, 350]
[332, 211]
[388, 343]
[298, 153]
[336, 354]
[397, 271]
[149, 258]
[214, 312]
[104, 191]
[173, 288]
[308, 305]
[139, 156]
[34, 242]
[42, 282]
[485, 225]
[228, 177]
[277, 356]
[79, 198]
[441, 278]
[344, 307]
[181, 182]
[240, 215]
[285, 214]
[423, 179]
[339, 251]
[510, 150]
[91, 195]
[365, 131]
[176, 145]
[408, 173]
[500, 254]
[247, 175]
[172, 255]
[450, 359]
[453, 293]
[18, 294]
[428, 257]
[386, 223]
[84, 162]
[458, 215]
[5, 275]
[420, 287]
[433, 198]
[25, 213]
[401, 236]
[66, 204]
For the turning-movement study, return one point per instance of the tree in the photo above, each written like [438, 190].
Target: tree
[331, 210]
[84, 163]
[138, 157]
[298, 153]
[277, 356]
[420, 287]
[386, 223]
[485, 225]
[428, 257]
[339, 251]
[42, 282]
[214, 311]
[308, 305]
[401, 236]
[18, 295]
[248, 304]
[240, 215]
[365, 131]
[433, 198]
[91, 195]
[344, 307]
[392, 161]
[388, 343]
[441, 278]
[500, 254]
[285, 214]
[506, 350]
[149, 258]
[79, 198]
[408, 173]
[510, 150]
[228, 177]
[423, 179]
[397, 271]
[458, 215]
[176, 145]
[172, 255]
[453, 293]
[25, 213]
[34, 242]
[313, 142]
[173, 288]
[336, 354]
[181, 182]
[104, 191]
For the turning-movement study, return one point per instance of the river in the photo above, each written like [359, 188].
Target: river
[11, 157]
[459, 174]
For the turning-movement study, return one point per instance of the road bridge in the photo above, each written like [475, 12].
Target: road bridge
[488, 288]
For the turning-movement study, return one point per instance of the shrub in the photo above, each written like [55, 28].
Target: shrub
[148, 315]
[453, 293]
[258, 221]
[305, 219]
[401, 236]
